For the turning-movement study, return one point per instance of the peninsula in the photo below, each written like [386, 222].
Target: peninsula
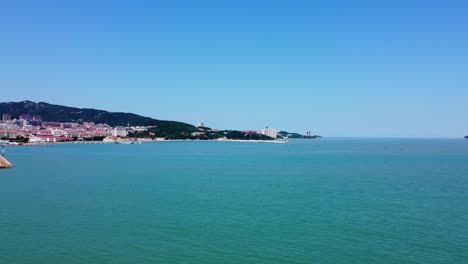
[285, 134]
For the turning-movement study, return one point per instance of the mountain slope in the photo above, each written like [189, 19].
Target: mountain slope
[58, 113]
[286, 134]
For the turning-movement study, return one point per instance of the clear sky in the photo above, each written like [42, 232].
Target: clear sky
[338, 68]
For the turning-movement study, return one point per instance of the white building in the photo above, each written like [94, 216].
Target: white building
[119, 131]
[269, 132]
[27, 127]
[73, 133]
[58, 132]
[34, 139]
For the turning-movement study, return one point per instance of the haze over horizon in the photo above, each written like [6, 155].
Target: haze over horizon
[395, 69]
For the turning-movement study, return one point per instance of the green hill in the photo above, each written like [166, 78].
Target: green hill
[290, 135]
[286, 134]
[59, 113]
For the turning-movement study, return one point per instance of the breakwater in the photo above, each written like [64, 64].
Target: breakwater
[4, 163]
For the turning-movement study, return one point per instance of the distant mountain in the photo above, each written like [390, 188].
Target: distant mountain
[286, 134]
[58, 113]
[466, 137]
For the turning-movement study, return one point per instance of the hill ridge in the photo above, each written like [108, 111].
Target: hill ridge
[60, 113]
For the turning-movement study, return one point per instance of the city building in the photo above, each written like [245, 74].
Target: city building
[119, 131]
[6, 117]
[58, 132]
[25, 117]
[269, 132]
[32, 126]
[51, 124]
[68, 125]
[22, 122]
[11, 134]
[37, 118]
[73, 133]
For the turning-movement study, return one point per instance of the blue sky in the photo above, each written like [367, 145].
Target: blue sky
[338, 68]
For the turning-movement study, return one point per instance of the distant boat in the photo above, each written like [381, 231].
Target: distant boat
[124, 142]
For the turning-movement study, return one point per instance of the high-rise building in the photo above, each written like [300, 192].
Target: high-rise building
[120, 131]
[25, 117]
[6, 117]
[36, 120]
[269, 132]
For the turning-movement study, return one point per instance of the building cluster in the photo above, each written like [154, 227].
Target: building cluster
[37, 130]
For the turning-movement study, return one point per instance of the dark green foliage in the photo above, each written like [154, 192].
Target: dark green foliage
[234, 134]
[286, 134]
[20, 140]
[96, 138]
[58, 113]
[206, 135]
[290, 135]
[171, 129]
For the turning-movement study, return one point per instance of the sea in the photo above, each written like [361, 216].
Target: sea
[332, 200]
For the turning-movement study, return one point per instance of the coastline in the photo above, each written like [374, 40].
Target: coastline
[152, 141]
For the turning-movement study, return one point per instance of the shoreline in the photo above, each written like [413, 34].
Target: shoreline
[152, 141]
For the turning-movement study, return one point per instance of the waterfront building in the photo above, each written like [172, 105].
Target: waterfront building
[110, 139]
[269, 132]
[119, 131]
[43, 132]
[11, 134]
[73, 133]
[34, 139]
[58, 132]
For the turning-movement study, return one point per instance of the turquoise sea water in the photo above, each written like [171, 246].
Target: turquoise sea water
[310, 201]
